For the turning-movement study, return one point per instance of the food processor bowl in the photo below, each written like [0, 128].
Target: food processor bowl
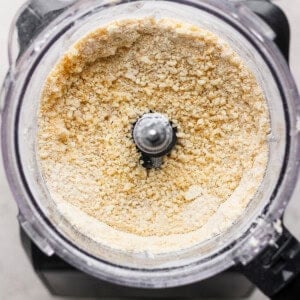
[260, 225]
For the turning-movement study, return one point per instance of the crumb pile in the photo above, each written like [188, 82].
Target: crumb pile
[90, 163]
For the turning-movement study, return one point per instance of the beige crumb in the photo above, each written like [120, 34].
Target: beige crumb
[96, 92]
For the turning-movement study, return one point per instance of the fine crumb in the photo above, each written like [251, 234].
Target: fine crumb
[91, 166]
[193, 192]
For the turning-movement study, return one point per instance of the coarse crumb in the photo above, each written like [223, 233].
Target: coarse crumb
[110, 78]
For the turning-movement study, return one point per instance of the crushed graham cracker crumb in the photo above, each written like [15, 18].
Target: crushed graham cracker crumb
[110, 78]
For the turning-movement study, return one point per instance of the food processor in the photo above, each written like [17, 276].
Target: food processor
[257, 248]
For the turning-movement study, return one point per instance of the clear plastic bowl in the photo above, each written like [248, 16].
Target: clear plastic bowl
[251, 38]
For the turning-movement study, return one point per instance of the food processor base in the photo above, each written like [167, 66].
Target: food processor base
[62, 279]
